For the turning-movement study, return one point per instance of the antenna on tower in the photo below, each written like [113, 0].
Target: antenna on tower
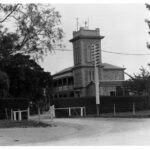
[77, 24]
[85, 24]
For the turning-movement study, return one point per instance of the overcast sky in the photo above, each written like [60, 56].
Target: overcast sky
[123, 26]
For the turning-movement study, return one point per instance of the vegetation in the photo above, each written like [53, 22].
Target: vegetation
[139, 84]
[27, 78]
[4, 84]
[35, 30]
[22, 124]
[148, 23]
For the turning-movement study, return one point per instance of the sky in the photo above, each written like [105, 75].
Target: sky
[123, 26]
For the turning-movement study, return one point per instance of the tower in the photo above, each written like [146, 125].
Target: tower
[83, 66]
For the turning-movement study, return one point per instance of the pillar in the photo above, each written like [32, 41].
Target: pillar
[67, 83]
[62, 84]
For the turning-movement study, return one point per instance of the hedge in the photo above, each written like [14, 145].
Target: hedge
[15, 104]
[122, 104]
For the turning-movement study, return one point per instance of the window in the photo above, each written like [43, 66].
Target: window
[88, 53]
[55, 96]
[71, 94]
[65, 95]
[119, 91]
[93, 78]
[112, 93]
[90, 76]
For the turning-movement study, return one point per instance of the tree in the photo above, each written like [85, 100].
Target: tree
[148, 23]
[27, 78]
[139, 84]
[36, 28]
[4, 84]
[8, 42]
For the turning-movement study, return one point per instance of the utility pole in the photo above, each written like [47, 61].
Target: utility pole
[77, 24]
[95, 51]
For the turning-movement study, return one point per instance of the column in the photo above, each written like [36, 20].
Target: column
[67, 83]
[62, 84]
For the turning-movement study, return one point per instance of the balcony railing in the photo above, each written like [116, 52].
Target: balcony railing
[63, 88]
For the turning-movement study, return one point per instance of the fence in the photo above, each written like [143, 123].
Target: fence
[13, 104]
[108, 104]
[70, 111]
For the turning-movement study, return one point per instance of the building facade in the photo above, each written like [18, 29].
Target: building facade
[78, 81]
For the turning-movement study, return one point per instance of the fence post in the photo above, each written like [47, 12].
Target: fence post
[133, 108]
[81, 109]
[84, 111]
[11, 114]
[114, 110]
[14, 115]
[28, 113]
[53, 111]
[39, 116]
[6, 113]
[20, 115]
[69, 111]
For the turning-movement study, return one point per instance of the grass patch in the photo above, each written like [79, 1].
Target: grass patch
[22, 124]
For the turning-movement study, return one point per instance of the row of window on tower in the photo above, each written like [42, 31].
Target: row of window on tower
[91, 76]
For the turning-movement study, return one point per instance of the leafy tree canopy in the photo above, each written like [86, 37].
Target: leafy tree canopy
[27, 78]
[139, 84]
[148, 23]
[36, 29]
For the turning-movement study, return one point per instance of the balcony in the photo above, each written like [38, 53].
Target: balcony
[63, 88]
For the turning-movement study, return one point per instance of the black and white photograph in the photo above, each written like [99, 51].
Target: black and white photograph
[74, 74]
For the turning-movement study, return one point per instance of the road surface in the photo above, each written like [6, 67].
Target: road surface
[105, 131]
[82, 131]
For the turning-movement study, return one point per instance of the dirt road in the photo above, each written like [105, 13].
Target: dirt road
[104, 131]
[82, 131]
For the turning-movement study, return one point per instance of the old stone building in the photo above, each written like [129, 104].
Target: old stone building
[78, 80]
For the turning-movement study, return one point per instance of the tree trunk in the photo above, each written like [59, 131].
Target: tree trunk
[39, 112]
